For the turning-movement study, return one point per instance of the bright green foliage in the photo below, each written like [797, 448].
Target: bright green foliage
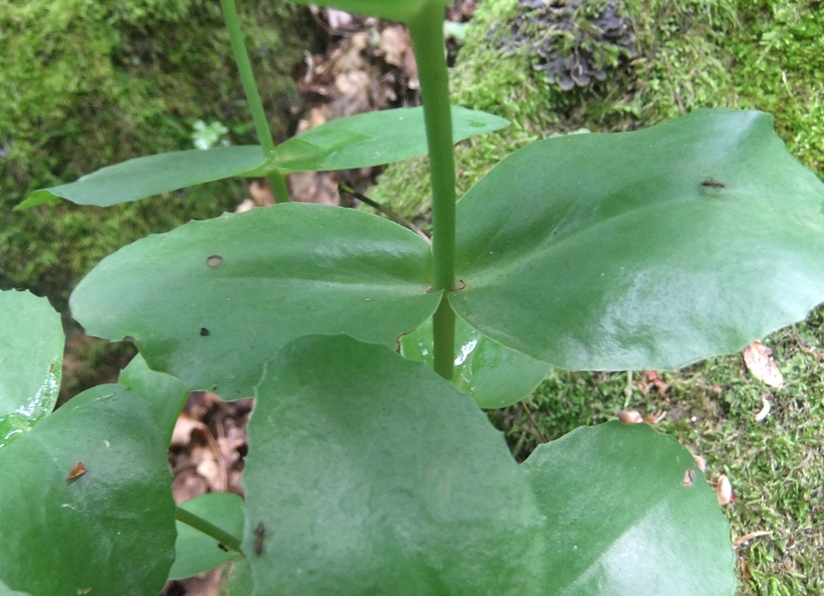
[31, 354]
[611, 532]
[107, 531]
[195, 552]
[212, 301]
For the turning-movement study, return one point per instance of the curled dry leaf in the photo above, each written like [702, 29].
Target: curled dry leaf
[76, 472]
[700, 462]
[689, 476]
[723, 490]
[629, 416]
[758, 359]
[765, 409]
[741, 540]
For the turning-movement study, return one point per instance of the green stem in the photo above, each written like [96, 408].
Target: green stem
[198, 523]
[426, 30]
[250, 88]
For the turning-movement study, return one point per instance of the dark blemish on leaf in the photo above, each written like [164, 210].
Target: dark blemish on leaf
[214, 387]
[77, 471]
[214, 261]
[259, 532]
[128, 339]
[223, 547]
[204, 332]
[712, 184]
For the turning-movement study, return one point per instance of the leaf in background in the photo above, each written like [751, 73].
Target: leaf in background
[31, 356]
[211, 301]
[165, 394]
[493, 375]
[761, 365]
[369, 474]
[642, 250]
[240, 578]
[155, 174]
[394, 10]
[375, 138]
[622, 520]
[195, 552]
[109, 531]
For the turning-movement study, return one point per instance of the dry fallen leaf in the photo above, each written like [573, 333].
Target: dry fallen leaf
[747, 537]
[723, 490]
[77, 471]
[758, 359]
[700, 462]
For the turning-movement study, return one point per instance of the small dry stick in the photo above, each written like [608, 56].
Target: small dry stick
[532, 419]
[398, 219]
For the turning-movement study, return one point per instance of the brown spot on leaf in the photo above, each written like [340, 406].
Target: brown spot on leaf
[76, 472]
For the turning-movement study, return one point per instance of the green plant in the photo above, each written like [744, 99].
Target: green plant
[368, 472]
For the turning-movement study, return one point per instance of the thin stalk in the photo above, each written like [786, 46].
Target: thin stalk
[198, 523]
[250, 88]
[426, 30]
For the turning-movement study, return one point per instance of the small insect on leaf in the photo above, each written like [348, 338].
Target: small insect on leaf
[223, 547]
[77, 471]
[259, 533]
[689, 476]
[204, 332]
[712, 184]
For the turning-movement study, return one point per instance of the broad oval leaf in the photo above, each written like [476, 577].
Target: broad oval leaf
[493, 375]
[5, 591]
[151, 175]
[629, 512]
[369, 474]
[165, 394]
[195, 552]
[106, 530]
[395, 10]
[642, 250]
[31, 355]
[375, 138]
[211, 301]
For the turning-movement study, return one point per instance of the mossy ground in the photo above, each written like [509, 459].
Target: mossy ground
[762, 54]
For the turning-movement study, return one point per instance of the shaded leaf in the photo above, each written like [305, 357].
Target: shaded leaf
[621, 520]
[151, 175]
[375, 138]
[286, 271]
[165, 394]
[110, 531]
[195, 552]
[493, 375]
[608, 251]
[369, 474]
[31, 355]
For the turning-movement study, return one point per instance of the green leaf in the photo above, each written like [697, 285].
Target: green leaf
[165, 394]
[31, 355]
[375, 138]
[155, 174]
[5, 591]
[195, 551]
[240, 578]
[394, 10]
[493, 375]
[211, 301]
[109, 531]
[622, 251]
[369, 474]
[624, 517]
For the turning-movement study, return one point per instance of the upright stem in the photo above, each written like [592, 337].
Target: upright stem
[250, 88]
[426, 30]
[208, 528]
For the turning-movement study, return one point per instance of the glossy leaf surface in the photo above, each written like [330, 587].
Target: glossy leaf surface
[31, 355]
[111, 529]
[369, 474]
[642, 250]
[165, 394]
[375, 138]
[151, 175]
[211, 301]
[195, 552]
[493, 375]
[621, 519]
[395, 10]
